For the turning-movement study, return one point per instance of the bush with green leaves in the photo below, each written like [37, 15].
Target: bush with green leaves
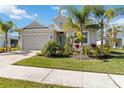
[106, 50]
[53, 49]
[85, 50]
[50, 48]
[122, 47]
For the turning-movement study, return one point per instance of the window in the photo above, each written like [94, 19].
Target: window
[85, 41]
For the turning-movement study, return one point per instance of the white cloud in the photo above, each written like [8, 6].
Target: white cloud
[35, 14]
[63, 11]
[15, 17]
[55, 7]
[15, 13]
[118, 21]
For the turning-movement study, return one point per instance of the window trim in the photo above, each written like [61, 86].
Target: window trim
[87, 37]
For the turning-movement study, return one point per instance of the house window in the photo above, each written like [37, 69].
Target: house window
[85, 41]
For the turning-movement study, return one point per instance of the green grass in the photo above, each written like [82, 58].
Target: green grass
[115, 65]
[14, 83]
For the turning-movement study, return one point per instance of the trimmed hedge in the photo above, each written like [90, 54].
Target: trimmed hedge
[9, 49]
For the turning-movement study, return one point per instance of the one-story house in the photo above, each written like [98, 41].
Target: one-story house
[35, 35]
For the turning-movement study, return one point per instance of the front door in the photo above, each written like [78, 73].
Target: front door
[61, 39]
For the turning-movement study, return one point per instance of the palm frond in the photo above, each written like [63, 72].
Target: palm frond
[109, 14]
[92, 26]
[119, 11]
[98, 11]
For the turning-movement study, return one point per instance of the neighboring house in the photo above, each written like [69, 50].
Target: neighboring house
[35, 35]
[12, 40]
[120, 39]
[1, 40]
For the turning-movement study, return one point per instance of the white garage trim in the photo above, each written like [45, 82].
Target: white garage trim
[36, 34]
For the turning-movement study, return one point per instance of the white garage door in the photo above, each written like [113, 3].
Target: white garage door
[34, 42]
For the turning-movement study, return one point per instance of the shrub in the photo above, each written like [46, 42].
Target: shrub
[77, 40]
[50, 48]
[66, 54]
[8, 49]
[14, 49]
[91, 51]
[1, 49]
[39, 53]
[85, 50]
[122, 47]
[106, 50]
[54, 50]
[93, 46]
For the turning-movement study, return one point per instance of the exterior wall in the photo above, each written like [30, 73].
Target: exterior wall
[121, 36]
[92, 37]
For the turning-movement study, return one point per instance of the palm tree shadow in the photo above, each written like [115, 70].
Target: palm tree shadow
[119, 55]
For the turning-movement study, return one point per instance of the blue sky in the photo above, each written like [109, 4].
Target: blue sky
[22, 15]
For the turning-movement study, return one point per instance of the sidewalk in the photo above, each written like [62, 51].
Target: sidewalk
[63, 77]
[54, 76]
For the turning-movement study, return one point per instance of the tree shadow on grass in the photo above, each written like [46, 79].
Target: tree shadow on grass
[116, 52]
[118, 55]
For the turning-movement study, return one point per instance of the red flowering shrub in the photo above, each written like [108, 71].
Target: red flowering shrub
[93, 45]
[77, 46]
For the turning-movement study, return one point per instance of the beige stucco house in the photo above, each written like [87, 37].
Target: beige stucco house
[35, 35]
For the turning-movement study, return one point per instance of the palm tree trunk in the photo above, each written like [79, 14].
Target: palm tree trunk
[81, 53]
[81, 50]
[102, 37]
[6, 42]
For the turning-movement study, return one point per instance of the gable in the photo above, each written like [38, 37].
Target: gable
[36, 25]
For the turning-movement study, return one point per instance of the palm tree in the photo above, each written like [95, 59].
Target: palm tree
[103, 16]
[78, 20]
[6, 28]
[112, 34]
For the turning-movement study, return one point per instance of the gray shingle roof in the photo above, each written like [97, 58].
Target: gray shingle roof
[35, 25]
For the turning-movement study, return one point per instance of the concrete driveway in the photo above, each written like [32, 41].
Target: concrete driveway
[12, 57]
[54, 76]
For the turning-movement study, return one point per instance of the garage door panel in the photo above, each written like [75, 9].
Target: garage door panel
[31, 42]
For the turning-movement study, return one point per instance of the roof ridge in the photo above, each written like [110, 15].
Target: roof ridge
[35, 25]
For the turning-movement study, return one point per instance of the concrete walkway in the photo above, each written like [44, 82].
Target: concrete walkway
[54, 76]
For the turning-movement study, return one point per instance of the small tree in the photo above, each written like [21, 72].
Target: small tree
[6, 28]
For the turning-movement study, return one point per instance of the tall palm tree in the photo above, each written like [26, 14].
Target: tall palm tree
[78, 20]
[6, 28]
[103, 16]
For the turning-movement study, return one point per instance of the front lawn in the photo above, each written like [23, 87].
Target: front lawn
[114, 65]
[13, 83]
